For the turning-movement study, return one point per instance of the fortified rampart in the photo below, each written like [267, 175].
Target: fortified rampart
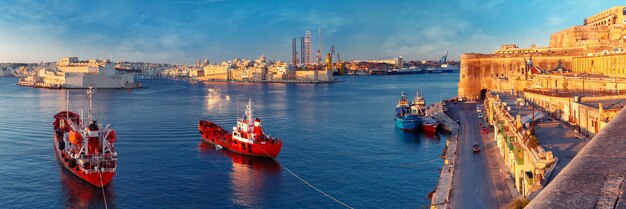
[480, 72]
[595, 48]
[579, 79]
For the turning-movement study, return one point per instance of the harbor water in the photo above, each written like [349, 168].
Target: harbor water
[340, 138]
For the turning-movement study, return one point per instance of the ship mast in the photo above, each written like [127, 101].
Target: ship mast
[90, 93]
[67, 103]
[249, 111]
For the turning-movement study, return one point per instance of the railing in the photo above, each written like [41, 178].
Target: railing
[571, 93]
[97, 164]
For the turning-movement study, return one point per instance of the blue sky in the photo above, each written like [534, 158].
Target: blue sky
[180, 31]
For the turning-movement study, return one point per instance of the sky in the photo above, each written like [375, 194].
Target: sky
[181, 31]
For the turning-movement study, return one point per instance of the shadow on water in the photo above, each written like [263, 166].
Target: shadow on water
[80, 194]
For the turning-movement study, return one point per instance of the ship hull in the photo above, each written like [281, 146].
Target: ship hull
[405, 72]
[429, 128]
[441, 71]
[407, 123]
[94, 178]
[216, 135]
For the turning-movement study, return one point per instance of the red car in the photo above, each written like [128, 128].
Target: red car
[484, 131]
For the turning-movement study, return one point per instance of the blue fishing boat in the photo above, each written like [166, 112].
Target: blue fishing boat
[404, 119]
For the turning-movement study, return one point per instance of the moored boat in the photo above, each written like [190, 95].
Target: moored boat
[86, 150]
[247, 138]
[404, 119]
[418, 105]
[405, 71]
[429, 125]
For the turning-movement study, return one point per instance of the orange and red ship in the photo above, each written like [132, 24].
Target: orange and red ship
[247, 138]
[87, 151]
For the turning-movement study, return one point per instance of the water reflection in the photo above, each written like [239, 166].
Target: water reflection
[414, 137]
[252, 178]
[80, 194]
[431, 135]
[215, 98]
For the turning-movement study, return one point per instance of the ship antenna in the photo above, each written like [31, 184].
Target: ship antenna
[249, 110]
[90, 96]
[238, 106]
[67, 103]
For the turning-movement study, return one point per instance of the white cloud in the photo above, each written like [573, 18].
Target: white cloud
[554, 20]
[432, 39]
[328, 22]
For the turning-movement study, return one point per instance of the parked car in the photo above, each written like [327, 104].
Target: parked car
[484, 131]
[476, 148]
[479, 108]
[481, 115]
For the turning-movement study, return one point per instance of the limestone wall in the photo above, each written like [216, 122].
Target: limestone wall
[506, 69]
[580, 36]
[613, 65]
[502, 73]
[314, 75]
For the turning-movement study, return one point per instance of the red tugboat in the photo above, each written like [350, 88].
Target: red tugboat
[85, 150]
[248, 137]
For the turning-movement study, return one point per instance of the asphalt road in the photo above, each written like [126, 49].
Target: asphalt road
[473, 184]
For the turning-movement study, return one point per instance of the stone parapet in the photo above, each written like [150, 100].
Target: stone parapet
[595, 177]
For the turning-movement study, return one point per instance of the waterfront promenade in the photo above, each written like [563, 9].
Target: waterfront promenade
[441, 197]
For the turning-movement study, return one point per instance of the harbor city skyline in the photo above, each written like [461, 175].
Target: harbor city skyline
[242, 104]
[179, 32]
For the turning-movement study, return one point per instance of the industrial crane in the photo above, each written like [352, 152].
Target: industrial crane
[329, 58]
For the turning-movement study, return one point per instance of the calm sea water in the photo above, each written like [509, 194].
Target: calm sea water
[339, 137]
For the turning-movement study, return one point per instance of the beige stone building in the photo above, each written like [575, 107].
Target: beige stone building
[72, 73]
[216, 72]
[528, 166]
[594, 48]
[262, 70]
[588, 112]
[579, 78]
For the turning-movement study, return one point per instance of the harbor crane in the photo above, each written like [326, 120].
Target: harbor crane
[329, 58]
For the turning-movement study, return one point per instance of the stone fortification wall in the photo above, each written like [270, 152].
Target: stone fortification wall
[502, 73]
[603, 34]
